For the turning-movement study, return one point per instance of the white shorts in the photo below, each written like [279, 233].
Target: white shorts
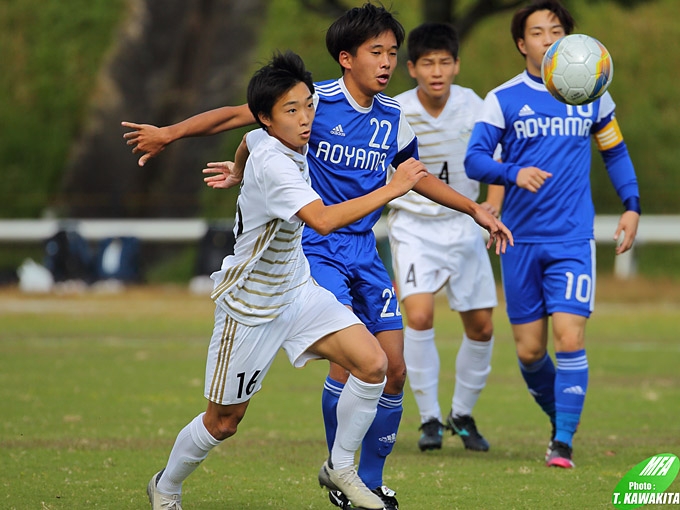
[429, 254]
[240, 356]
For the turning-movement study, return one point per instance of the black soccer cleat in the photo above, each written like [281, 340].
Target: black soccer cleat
[559, 455]
[432, 434]
[388, 497]
[339, 500]
[465, 427]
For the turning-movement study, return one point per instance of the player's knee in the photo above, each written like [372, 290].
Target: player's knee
[373, 368]
[481, 332]
[529, 355]
[420, 320]
[396, 377]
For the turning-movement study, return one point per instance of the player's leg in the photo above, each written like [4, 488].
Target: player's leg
[571, 383]
[522, 269]
[471, 290]
[570, 294]
[232, 376]
[192, 445]
[420, 250]
[328, 262]
[535, 364]
[422, 365]
[375, 303]
[473, 365]
[359, 354]
[382, 434]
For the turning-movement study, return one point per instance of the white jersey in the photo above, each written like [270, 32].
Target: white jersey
[268, 267]
[442, 142]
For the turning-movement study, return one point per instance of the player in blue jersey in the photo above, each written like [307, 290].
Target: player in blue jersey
[358, 135]
[545, 168]
[265, 297]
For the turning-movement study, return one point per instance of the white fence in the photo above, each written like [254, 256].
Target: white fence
[653, 229]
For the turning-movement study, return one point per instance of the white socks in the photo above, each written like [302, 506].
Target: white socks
[473, 365]
[422, 367]
[192, 446]
[356, 409]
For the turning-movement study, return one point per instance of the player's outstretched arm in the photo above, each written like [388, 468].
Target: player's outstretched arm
[437, 191]
[328, 218]
[151, 140]
[227, 174]
[628, 226]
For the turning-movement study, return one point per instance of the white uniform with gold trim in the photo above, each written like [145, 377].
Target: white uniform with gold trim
[434, 246]
[265, 296]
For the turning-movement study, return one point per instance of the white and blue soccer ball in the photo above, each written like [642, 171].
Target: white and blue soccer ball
[577, 69]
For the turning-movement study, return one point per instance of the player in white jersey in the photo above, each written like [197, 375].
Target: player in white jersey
[545, 168]
[358, 136]
[434, 247]
[266, 299]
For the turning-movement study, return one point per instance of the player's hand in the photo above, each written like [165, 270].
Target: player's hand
[531, 178]
[498, 232]
[146, 138]
[407, 175]
[492, 209]
[628, 225]
[226, 175]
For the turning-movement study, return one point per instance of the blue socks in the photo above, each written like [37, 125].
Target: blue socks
[560, 393]
[329, 409]
[571, 384]
[379, 439]
[540, 379]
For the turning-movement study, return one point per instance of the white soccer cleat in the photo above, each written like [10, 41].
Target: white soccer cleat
[347, 481]
[160, 501]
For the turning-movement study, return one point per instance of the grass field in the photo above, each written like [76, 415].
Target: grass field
[95, 387]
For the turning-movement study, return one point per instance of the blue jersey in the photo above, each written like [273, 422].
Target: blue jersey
[352, 147]
[534, 129]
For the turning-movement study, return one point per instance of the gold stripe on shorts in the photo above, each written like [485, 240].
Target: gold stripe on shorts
[219, 378]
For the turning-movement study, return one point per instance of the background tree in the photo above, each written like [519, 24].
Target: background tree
[172, 59]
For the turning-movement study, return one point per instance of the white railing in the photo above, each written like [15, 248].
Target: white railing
[663, 229]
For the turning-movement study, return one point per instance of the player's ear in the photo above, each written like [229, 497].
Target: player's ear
[345, 59]
[411, 69]
[521, 46]
[265, 119]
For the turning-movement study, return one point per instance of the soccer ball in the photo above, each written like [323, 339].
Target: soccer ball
[577, 69]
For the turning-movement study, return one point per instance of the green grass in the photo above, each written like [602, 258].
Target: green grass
[95, 388]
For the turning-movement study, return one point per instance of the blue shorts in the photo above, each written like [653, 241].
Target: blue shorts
[349, 266]
[543, 278]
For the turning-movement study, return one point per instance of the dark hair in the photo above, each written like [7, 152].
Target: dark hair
[431, 37]
[358, 25]
[272, 81]
[519, 20]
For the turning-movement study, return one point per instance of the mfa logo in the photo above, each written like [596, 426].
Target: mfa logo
[646, 482]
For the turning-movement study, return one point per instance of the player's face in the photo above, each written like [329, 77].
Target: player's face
[435, 72]
[369, 71]
[541, 30]
[291, 118]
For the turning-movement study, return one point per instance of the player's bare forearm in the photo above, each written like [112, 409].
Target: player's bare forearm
[326, 219]
[437, 191]
[152, 140]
